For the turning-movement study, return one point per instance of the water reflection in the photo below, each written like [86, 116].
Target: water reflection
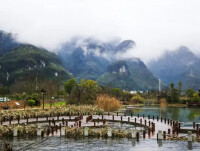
[174, 113]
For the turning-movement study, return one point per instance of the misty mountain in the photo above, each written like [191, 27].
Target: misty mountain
[118, 75]
[131, 74]
[28, 61]
[89, 58]
[20, 62]
[7, 42]
[178, 65]
[93, 59]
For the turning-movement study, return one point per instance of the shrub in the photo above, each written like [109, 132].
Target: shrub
[137, 99]
[31, 102]
[108, 103]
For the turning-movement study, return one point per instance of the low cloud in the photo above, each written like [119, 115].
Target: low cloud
[154, 25]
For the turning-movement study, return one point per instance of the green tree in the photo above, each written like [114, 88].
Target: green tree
[195, 97]
[137, 99]
[117, 92]
[190, 93]
[89, 90]
[68, 85]
[31, 103]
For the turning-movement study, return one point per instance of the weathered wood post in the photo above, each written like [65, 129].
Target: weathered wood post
[85, 132]
[39, 130]
[144, 134]
[62, 132]
[15, 132]
[135, 120]
[161, 119]
[79, 125]
[149, 132]
[149, 123]
[63, 121]
[169, 131]
[140, 121]
[133, 134]
[189, 136]
[94, 123]
[52, 130]
[164, 135]
[66, 123]
[145, 122]
[165, 120]
[160, 135]
[194, 125]
[109, 132]
[18, 119]
[104, 121]
[168, 121]
[153, 117]
[137, 136]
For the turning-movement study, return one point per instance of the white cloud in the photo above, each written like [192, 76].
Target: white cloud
[155, 25]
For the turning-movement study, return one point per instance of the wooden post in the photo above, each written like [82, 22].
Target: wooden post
[66, 123]
[145, 122]
[149, 132]
[27, 119]
[79, 125]
[94, 123]
[168, 121]
[161, 119]
[153, 117]
[63, 121]
[113, 117]
[137, 136]
[149, 123]
[169, 131]
[164, 135]
[165, 120]
[135, 120]
[121, 118]
[194, 125]
[197, 127]
[18, 119]
[140, 121]
[144, 134]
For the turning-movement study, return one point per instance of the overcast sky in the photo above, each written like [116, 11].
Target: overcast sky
[155, 25]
